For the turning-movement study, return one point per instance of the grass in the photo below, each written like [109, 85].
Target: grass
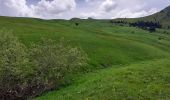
[148, 80]
[106, 45]
[124, 62]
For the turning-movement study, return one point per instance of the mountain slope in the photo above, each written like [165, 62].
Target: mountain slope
[163, 17]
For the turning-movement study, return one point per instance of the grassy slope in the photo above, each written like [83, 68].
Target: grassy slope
[149, 80]
[106, 46]
[163, 17]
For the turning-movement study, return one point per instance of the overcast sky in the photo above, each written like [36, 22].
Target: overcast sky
[66, 9]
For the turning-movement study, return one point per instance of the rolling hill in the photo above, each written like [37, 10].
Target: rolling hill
[163, 17]
[124, 62]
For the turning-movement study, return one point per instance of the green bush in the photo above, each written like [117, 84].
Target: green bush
[15, 68]
[53, 62]
[29, 72]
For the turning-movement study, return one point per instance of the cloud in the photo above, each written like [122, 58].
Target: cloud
[43, 9]
[90, 0]
[126, 13]
[14, 8]
[93, 1]
[123, 8]
[91, 15]
[108, 5]
[101, 9]
[46, 8]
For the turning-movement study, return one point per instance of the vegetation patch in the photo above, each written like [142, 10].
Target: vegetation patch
[148, 80]
[27, 72]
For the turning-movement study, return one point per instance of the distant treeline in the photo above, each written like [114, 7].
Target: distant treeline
[147, 25]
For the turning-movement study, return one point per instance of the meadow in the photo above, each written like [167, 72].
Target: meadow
[124, 62]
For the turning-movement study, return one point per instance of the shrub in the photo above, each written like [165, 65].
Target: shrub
[29, 72]
[133, 32]
[53, 61]
[77, 24]
[152, 29]
[15, 68]
[160, 38]
[168, 27]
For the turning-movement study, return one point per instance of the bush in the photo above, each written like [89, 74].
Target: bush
[77, 24]
[53, 61]
[15, 68]
[29, 72]
[168, 27]
[152, 29]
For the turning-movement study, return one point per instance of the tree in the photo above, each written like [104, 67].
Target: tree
[150, 26]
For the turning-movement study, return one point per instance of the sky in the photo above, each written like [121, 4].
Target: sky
[66, 9]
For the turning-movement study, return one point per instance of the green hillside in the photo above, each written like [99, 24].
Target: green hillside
[162, 17]
[142, 81]
[105, 44]
[124, 62]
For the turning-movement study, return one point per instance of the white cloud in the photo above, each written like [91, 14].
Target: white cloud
[46, 8]
[123, 8]
[43, 9]
[129, 14]
[108, 5]
[90, 0]
[91, 15]
[14, 8]
[81, 8]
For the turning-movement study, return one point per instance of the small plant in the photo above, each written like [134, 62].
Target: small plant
[133, 32]
[77, 24]
[168, 27]
[160, 38]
